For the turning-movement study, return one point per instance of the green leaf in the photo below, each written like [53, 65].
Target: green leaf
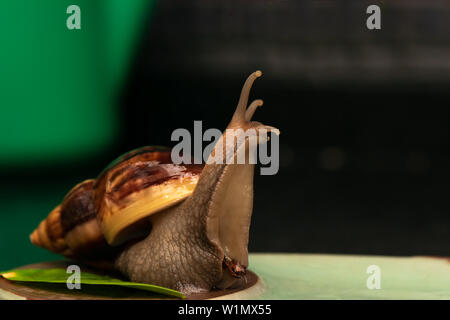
[61, 276]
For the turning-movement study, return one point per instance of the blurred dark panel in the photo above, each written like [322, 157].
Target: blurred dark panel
[317, 41]
[363, 114]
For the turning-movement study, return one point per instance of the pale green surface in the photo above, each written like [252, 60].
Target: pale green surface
[331, 277]
[309, 276]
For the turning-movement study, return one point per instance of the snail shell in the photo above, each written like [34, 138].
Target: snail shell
[98, 214]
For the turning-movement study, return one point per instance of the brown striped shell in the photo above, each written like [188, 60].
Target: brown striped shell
[100, 213]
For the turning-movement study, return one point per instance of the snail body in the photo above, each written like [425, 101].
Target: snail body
[181, 226]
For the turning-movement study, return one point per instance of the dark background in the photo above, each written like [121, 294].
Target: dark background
[364, 116]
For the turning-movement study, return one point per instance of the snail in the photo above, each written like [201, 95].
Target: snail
[182, 226]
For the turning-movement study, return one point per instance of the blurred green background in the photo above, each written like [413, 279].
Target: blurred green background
[58, 98]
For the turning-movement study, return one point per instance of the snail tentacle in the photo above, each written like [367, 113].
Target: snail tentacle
[239, 114]
[252, 108]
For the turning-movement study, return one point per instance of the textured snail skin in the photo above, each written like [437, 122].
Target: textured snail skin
[179, 253]
[189, 243]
